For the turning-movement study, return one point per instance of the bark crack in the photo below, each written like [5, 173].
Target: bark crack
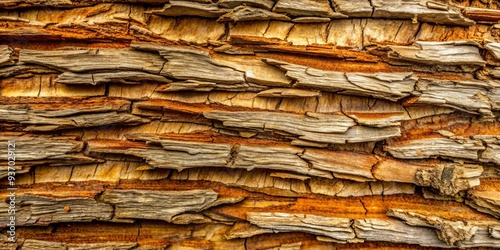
[288, 32]
[40, 88]
[267, 28]
[95, 169]
[71, 173]
[327, 32]
[129, 19]
[363, 23]
[332, 5]
[233, 154]
[397, 32]
[138, 231]
[226, 34]
[414, 38]
[373, 8]
[106, 90]
[364, 206]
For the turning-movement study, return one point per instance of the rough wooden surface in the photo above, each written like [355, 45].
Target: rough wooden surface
[251, 124]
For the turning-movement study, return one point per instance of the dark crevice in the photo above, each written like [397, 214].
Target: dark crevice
[235, 150]
[373, 8]
[138, 231]
[332, 5]
[71, 173]
[364, 206]
[414, 38]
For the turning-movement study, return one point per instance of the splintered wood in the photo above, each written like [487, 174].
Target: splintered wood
[250, 124]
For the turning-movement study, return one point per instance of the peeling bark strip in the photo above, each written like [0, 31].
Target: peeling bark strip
[5, 55]
[391, 86]
[263, 4]
[124, 77]
[40, 148]
[492, 151]
[114, 205]
[477, 97]
[163, 205]
[449, 231]
[94, 59]
[457, 53]
[424, 11]
[425, 148]
[484, 15]
[181, 155]
[447, 53]
[454, 233]
[244, 13]
[354, 8]
[251, 124]
[40, 210]
[482, 148]
[396, 231]
[49, 151]
[341, 164]
[201, 67]
[494, 49]
[336, 228]
[319, 8]
[288, 93]
[39, 244]
[293, 124]
[13, 4]
[54, 115]
[485, 201]
[189, 8]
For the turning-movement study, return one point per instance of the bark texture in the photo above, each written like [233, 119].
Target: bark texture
[251, 124]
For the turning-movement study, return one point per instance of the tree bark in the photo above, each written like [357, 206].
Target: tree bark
[249, 124]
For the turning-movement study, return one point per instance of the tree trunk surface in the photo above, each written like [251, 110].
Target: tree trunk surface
[249, 124]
